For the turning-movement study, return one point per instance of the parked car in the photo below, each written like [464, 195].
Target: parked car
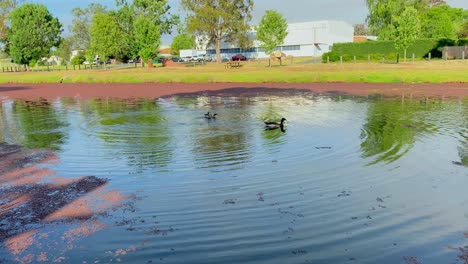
[239, 57]
[176, 59]
[203, 57]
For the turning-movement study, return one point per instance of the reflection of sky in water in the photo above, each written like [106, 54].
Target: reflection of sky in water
[351, 178]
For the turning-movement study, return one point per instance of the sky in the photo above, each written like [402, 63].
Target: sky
[351, 11]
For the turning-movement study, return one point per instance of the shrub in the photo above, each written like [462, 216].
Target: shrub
[79, 58]
[376, 49]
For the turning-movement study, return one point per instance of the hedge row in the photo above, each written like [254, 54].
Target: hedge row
[377, 49]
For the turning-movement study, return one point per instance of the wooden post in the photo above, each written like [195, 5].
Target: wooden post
[446, 55]
[463, 55]
[354, 59]
[404, 59]
[413, 57]
[341, 59]
[429, 56]
[368, 58]
[383, 58]
[328, 59]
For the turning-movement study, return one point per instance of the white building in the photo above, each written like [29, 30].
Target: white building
[304, 39]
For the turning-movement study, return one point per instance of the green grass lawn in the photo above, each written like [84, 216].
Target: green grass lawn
[259, 72]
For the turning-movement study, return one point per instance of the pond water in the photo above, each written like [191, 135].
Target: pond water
[349, 180]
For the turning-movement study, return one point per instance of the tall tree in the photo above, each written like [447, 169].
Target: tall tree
[105, 35]
[80, 34]
[463, 33]
[182, 41]
[218, 20]
[272, 31]
[34, 31]
[407, 28]
[441, 21]
[6, 6]
[147, 37]
[64, 50]
[360, 30]
[382, 15]
[143, 22]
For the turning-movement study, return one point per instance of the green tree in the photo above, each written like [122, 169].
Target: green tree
[79, 58]
[34, 31]
[80, 33]
[218, 20]
[182, 41]
[64, 49]
[463, 33]
[105, 35]
[360, 30]
[407, 28]
[147, 37]
[272, 31]
[382, 15]
[6, 6]
[142, 22]
[441, 21]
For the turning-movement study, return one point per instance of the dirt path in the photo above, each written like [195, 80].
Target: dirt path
[122, 90]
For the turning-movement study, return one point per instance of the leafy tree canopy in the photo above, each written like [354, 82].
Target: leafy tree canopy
[407, 28]
[182, 41]
[361, 30]
[219, 20]
[6, 6]
[34, 31]
[272, 30]
[105, 35]
[80, 34]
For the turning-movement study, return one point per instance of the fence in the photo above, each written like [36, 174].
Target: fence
[455, 52]
[23, 68]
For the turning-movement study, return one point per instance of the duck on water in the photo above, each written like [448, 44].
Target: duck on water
[275, 125]
[210, 116]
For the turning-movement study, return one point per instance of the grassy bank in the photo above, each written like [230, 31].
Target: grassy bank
[258, 72]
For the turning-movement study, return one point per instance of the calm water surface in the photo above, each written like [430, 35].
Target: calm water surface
[350, 180]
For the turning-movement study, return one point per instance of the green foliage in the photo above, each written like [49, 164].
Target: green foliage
[407, 29]
[218, 20]
[105, 35]
[142, 22]
[437, 19]
[34, 31]
[463, 33]
[182, 41]
[377, 49]
[441, 22]
[147, 37]
[383, 13]
[64, 50]
[6, 6]
[81, 36]
[79, 58]
[272, 30]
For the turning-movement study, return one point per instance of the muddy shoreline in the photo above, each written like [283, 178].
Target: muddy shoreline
[155, 90]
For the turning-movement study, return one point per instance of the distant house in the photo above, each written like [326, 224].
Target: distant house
[164, 51]
[75, 53]
[53, 60]
[364, 38]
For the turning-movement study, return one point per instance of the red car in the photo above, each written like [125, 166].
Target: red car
[239, 57]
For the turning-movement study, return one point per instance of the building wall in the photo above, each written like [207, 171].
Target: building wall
[303, 39]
